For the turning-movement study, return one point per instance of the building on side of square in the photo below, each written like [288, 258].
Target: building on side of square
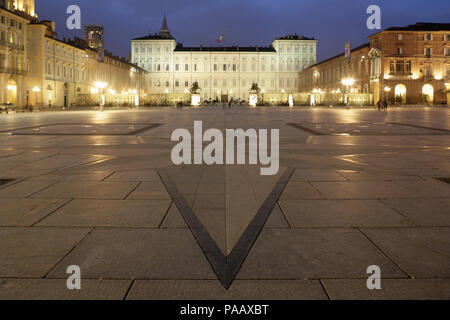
[223, 73]
[14, 19]
[412, 63]
[404, 65]
[67, 72]
[322, 82]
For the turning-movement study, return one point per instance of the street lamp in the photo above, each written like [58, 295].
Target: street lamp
[347, 82]
[36, 91]
[386, 92]
[101, 86]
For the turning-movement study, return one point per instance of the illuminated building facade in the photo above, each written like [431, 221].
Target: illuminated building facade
[222, 72]
[412, 64]
[69, 72]
[324, 80]
[14, 19]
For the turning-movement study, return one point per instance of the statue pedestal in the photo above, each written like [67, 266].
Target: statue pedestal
[195, 100]
[253, 100]
[291, 100]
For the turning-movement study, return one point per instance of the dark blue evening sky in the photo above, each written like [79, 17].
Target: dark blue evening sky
[245, 22]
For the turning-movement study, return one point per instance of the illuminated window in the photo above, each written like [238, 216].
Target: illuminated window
[392, 67]
[408, 66]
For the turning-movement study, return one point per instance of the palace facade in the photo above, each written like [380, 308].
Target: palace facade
[222, 73]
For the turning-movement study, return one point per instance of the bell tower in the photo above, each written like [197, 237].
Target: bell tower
[164, 31]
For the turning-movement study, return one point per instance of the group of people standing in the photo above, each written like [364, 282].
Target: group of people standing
[382, 105]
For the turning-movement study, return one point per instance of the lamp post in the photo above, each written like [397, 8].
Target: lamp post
[347, 82]
[36, 91]
[101, 86]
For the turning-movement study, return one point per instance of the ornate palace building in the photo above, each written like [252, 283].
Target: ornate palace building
[222, 72]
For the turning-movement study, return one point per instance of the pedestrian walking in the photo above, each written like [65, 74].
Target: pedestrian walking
[385, 105]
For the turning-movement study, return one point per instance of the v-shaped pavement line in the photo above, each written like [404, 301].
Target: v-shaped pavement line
[226, 267]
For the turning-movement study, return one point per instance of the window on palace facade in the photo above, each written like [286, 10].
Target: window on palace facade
[234, 67]
[392, 67]
[158, 83]
[215, 67]
[428, 52]
[400, 37]
[195, 67]
[158, 67]
[400, 67]
[224, 67]
[447, 73]
[177, 83]
[447, 52]
[186, 83]
[177, 67]
[167, 67]
[447, 37]
[167, 84]
[186, 67]
[428, 37]
[408, 66]
[400, 50]
[428, 71]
